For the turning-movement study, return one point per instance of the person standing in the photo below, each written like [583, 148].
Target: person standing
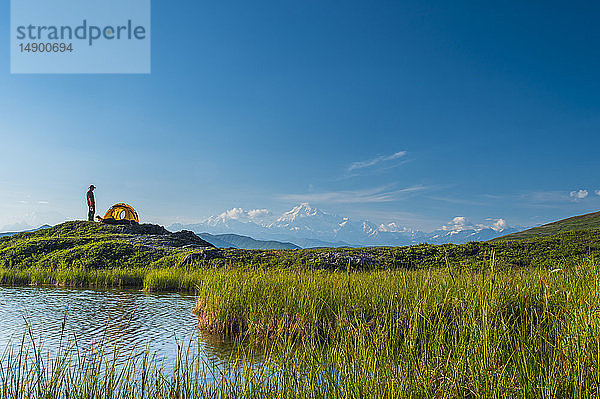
[91, 201]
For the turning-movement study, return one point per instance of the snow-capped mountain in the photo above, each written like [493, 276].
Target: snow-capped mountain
[307, 221]
[306, 226]
[459, 230]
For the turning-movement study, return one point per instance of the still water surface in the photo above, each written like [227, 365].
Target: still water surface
[129, 319]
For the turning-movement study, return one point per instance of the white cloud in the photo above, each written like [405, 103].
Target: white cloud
[377, 160]
[499, 225]
[234, 213]
[392, 227]
[258, 213]
[597, 192]
[241, 215]
[579, 194]
[374, 195]
[459, 220]
[459, 223]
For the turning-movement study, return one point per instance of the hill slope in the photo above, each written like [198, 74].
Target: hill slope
[94, 245]
[92, 254]
[575, 223]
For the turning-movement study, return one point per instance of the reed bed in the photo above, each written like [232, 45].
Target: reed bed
[171, 278]
[74, 277]
[437, 332]
[440, 332]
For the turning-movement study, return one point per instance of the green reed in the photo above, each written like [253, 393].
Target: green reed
[437, 332]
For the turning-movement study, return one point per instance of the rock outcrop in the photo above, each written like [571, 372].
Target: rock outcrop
[157, 236]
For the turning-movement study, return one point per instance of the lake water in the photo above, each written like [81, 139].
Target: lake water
[127, 319]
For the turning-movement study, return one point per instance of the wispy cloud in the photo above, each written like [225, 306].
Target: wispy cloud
[578, 194]
[556, 196]
[545, 196]
[554, 199]
[377, 161]
[374, 195]
[454, 200]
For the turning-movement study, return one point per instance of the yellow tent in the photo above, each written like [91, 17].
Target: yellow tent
[121, 214]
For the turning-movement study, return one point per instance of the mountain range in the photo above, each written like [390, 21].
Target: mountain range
[244, 242]
[10, 233]
[309, 227]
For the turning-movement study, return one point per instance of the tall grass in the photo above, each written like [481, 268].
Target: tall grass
[389, 334]
[75, 277]
[27, 371]
[173, 278]
[437, 332]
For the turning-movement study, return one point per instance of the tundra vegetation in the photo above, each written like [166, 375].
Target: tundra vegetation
[507, 318]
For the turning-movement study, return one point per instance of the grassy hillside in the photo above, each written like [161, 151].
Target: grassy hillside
[94, 245]
[581, 222]
[91, 254]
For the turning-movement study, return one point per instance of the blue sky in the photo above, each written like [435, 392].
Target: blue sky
[407, 111]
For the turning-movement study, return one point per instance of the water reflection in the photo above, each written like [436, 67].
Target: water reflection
[125, 318]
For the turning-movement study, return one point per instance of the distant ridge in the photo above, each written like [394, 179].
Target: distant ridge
[244, 242]
[581, 222]
[12, 233]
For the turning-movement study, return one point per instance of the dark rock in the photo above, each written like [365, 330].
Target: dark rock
[157, 236]
[186, 237]
[146, 229]
[339, 259]
[207, 254]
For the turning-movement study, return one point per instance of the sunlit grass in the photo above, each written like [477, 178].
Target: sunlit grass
[94, 246]
[74, 277]
[423, 333]
[440, 332]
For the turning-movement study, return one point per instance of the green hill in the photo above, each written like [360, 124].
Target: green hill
[575, 223]
[94, 245]
[92, 254]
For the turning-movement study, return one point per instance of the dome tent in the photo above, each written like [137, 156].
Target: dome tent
[120, 214]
